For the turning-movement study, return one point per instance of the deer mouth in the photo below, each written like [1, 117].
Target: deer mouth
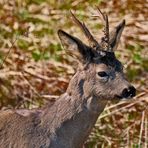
[122, 98]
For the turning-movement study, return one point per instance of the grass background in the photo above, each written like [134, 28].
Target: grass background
[36, 70]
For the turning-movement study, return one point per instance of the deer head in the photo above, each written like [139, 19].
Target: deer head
[102, 72]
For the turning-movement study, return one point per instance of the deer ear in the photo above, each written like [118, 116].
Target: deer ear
[73, 45]
[116, 34]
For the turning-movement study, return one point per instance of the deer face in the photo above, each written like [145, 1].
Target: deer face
[103, 72]
[107, 79]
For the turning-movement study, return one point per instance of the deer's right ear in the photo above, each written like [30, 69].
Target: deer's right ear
[73, 45]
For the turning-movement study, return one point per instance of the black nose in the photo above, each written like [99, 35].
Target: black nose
[129, 92]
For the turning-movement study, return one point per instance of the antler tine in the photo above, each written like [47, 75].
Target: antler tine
[102, 14]
[107, 30]
[92, 42]
[106, 37]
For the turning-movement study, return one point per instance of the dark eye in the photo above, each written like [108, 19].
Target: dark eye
[102, 74]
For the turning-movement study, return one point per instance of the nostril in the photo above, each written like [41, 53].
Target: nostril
[129, 92]
[132, 91]
[125, 93]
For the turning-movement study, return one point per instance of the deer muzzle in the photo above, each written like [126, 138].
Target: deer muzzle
[127, 93]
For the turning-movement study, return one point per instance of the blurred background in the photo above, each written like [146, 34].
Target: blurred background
[34, 69]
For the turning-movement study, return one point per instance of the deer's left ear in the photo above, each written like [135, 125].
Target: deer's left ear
[115, 35]
[74, 46]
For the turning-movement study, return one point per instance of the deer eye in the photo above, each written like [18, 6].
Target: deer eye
[102, 74]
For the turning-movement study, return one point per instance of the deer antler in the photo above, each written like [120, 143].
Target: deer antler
[92, 42]
[106, 38]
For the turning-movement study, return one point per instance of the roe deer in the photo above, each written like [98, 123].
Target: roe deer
[68, 122]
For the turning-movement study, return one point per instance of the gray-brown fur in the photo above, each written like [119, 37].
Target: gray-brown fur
[68, 122]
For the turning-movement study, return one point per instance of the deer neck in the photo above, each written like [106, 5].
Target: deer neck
[74, 114]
